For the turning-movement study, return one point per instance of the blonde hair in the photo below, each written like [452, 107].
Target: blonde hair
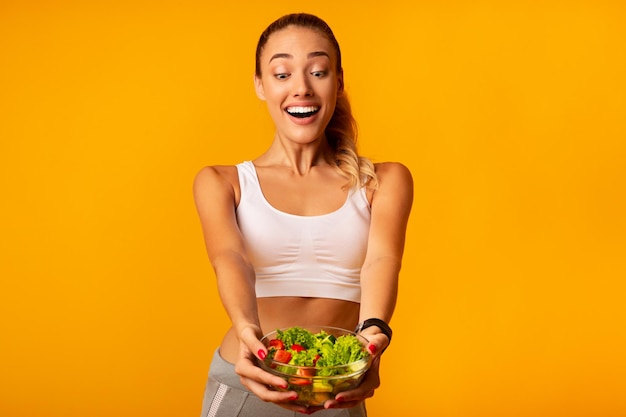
[341, 132]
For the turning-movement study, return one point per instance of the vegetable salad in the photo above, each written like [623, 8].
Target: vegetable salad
[323, 353]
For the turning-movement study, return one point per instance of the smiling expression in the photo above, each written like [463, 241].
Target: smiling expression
[299, 82]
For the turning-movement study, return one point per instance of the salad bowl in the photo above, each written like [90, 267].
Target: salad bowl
[317, 362]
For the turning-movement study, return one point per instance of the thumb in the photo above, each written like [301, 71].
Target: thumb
[377, 343]
[249, 338]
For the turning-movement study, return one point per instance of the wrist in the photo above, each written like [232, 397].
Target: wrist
[240, 328]
[381, 324]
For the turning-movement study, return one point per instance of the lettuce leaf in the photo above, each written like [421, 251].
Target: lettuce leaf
[323, 350]
[345, 350]
[296, 335]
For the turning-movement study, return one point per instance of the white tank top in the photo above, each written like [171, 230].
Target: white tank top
[303, 256]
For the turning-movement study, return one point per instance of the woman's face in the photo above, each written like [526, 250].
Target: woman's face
[299, 82]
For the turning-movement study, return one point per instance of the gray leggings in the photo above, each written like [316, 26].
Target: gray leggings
[225, 396]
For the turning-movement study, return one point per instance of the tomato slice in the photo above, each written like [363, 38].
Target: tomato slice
[278, 344]
[297, 347]
[308, 372]
[282, 356]
[300, 381]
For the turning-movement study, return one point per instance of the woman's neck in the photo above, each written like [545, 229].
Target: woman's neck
[299, 157]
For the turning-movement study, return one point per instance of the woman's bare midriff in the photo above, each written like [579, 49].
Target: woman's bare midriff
[279, 312]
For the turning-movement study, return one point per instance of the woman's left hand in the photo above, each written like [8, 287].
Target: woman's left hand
[365, 390]
[371, 380]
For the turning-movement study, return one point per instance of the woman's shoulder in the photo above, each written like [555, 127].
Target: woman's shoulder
[394, 181]
[393, 172]
[210, 172]
[216, 177]
[394, 194]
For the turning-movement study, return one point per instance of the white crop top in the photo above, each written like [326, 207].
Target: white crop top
[303, 256]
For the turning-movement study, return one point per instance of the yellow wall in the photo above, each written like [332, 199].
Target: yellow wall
[509, 114]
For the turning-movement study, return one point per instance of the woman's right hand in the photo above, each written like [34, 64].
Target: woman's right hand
[257, 380]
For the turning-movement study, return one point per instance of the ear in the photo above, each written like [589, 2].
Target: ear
[340, 82]
[258, 87]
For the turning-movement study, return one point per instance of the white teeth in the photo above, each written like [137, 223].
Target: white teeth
[308, 109]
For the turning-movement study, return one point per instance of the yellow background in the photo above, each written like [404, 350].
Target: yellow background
[510, 116]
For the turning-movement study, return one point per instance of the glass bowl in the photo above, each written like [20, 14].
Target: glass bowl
[316, 384]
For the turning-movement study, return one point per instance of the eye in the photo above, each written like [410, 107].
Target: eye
[281, 76]
[318, 74]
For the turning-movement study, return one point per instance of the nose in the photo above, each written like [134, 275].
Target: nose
[302, 87]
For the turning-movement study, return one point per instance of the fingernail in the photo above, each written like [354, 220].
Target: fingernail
[293, 397]
[372, 349]
[261, 353]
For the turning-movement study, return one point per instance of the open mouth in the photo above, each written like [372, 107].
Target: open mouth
[302, 112]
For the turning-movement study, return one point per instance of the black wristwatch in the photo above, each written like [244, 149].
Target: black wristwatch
[384, 327]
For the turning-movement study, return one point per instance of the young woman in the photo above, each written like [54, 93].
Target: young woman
[308, 233]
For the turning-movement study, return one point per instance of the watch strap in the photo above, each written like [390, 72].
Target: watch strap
[384, 327]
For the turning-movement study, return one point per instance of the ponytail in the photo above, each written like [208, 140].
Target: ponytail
[341, 134]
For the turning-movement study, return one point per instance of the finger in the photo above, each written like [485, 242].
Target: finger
[349, 400]
[357, 395]
[301, 408]
[364, 390]
[341, 404]
[285, 399]
[377, 343]
[245, 368]
[264, 391]
[250, 339]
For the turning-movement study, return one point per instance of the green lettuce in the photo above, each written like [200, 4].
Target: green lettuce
[303, 358]
[345, 350]
[323, 350]
[296, 335]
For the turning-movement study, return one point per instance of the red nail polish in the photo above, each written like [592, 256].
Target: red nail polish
[261, 353]
[372, 349]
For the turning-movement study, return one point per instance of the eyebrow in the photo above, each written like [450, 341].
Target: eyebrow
[309, 56]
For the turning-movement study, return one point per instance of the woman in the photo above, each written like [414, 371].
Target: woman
[307, 233]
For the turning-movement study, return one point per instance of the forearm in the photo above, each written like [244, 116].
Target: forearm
[379, 288]
[391, 206]
[235, 282]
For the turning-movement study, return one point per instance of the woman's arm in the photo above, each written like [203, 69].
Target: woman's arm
[391, 206]
[216, 202]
